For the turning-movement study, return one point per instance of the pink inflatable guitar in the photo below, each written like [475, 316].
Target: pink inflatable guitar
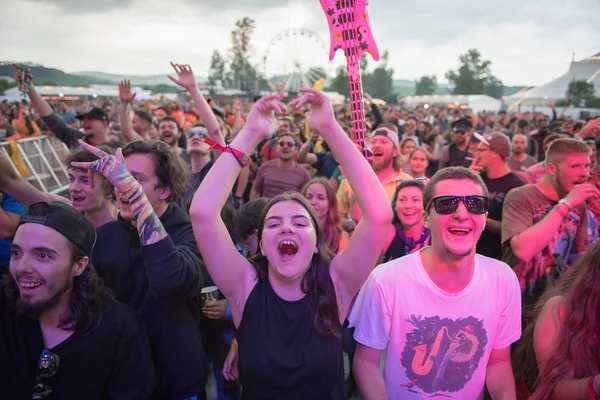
[350, 30]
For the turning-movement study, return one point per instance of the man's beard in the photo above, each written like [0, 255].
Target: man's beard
[170, 143]
[385, 163]
[35, 310]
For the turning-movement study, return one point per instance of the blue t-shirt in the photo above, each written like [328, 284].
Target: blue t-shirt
[326, 164]
[10, 205]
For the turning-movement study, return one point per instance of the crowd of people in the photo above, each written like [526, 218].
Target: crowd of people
[254, 242]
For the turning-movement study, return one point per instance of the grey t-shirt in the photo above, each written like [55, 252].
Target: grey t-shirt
[271, 180]
[521, 166]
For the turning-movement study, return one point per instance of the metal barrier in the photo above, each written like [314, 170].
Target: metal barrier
[44, 157]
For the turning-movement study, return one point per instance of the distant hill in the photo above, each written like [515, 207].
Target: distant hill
[137, 80]
[51, 76]
[56, 77]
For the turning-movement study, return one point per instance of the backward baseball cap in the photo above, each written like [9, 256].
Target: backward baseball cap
[386, 132]
[65, 220]
[498, 142]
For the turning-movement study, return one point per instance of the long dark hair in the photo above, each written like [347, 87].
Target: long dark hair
[86, 307]
[577, 349]
[316, 283]
[332, 230]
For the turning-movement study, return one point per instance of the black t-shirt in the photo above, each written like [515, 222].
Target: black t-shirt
[111, 362]
[490, 244]
[281, 356]
[456, 157]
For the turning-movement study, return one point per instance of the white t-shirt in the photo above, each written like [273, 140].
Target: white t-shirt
[437, 342]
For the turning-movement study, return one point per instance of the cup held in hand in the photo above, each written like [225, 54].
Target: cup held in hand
[209, 293]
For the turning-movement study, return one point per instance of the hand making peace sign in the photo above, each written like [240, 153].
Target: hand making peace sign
[112, 167]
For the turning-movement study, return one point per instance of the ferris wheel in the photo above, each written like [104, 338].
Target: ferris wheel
[295, 56]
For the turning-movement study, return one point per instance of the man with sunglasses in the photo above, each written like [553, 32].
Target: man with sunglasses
[275, 177]
[63, 335]
[544, 226]
[446, 315]
[456, 154]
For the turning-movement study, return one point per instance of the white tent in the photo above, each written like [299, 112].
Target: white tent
[476, 102]
[75, 92]
[587, 69]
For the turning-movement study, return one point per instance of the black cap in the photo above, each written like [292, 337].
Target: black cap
[93, 113]
[65, 220]
[218, 113]
[461, 125]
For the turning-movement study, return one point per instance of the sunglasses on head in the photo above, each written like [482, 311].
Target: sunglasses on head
[47, 368]
[412, 180]
[445, 205]
[288, 144]
[201, 133]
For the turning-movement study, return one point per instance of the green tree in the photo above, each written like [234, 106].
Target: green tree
[217, 70]
[494, 87]
[5, 84]
[339, 83]
[472, 74]
[162, 88]
[427, 85]
[580, 90]
[379, 82]
[241, 50]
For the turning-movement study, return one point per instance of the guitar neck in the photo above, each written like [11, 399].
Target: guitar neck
[358, 114]
[353, 52]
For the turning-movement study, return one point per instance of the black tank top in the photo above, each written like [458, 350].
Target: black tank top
[281, 356]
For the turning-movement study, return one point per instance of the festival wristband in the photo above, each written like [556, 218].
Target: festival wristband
[241, 158]
[596, 385]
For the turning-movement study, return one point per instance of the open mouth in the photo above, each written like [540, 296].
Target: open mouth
[77, 199]
[29, 285]
[459, 231]
[377, 154]
[287, 249]
[124, 201]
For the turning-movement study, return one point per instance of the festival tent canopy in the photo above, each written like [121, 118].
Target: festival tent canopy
[476, 102]
[75, 92]
[587, 69]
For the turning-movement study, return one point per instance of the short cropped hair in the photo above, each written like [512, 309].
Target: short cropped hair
[444, 174]
[520, 136]
[562, 148]
[165, 119]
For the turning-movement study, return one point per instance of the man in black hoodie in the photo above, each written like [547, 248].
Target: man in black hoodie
[149, 257]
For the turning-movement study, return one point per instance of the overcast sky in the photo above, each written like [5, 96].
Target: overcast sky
[529, 42]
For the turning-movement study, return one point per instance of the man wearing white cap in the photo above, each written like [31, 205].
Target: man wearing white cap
[491, 158]
[387, 164]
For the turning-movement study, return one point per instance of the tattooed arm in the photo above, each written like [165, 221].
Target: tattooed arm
[113, 168]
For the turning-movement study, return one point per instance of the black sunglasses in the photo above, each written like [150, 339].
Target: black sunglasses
[47, 368]
[288, 144]
[445, 205]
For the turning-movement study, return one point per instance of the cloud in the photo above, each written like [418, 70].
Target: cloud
[95, 6]
[527, 42]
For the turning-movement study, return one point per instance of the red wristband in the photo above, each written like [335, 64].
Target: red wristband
[591, 392]
[242, 158]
